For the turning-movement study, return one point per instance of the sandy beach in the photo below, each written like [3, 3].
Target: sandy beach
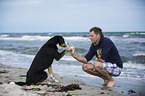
[10, 74]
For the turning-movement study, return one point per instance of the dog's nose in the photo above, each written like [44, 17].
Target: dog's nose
[66, 43]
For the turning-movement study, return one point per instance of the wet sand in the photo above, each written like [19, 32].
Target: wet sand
[10, 74]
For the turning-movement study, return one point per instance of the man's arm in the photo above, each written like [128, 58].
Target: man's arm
[77, 57]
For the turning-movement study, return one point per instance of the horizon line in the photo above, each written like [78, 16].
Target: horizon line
[68, 32]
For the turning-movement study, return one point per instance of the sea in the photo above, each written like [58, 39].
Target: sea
[19, 49]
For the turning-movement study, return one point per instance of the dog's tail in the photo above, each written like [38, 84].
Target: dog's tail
[20, 83]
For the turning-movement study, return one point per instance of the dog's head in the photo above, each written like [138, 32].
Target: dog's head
[61, 41]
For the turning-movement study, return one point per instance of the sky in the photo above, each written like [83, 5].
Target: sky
[71, 15]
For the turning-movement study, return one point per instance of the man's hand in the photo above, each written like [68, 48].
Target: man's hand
[70, 48]
[101, 60]
[77, 57]
[73, 49]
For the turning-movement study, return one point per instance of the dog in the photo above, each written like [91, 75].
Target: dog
[43, 60]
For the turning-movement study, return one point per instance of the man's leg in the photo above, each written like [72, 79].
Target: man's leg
[89, 68]
[99, 68]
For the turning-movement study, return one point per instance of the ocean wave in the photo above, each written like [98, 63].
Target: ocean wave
[76, 38]
[140, 33]
[133, 65]
[142, 44]
[5, 53]
[10, 55]
[133, 40]
[15, 59]
[126, 35]
[133, 70]
[124, 58]
[139, 54]
[68, 58]
[27, 38]
[38, 37]
[3, 36]
[136, 34]
[139, 58]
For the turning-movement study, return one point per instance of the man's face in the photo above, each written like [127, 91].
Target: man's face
[94, 38]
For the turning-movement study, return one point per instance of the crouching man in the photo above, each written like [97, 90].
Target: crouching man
[108, 62]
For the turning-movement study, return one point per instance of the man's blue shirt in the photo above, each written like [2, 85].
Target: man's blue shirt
[105, 50]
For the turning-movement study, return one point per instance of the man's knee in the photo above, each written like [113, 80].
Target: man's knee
[98, 64]
[86, 67]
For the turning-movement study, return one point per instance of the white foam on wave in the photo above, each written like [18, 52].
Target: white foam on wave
[68, 58]
[132, 65]
[126, 35]
[38, 37]
[27, 38]
[140, 33]
[5, 53]
[129, 34]
[15, 59]
[3, 36]
[114, 38]
[133, 70]
[139, 54]
[76, 38]
[129, 40]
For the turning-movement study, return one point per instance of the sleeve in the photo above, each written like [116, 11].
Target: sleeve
[58, 55]
[90, 54]
[106, 49]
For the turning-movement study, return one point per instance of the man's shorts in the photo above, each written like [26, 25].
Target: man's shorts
[112, 69]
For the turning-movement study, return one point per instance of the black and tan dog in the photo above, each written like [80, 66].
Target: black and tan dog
[43, 60]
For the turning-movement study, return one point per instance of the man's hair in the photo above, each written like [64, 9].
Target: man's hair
[97, 30]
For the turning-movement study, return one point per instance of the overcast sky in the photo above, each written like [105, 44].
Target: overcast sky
[71, 15]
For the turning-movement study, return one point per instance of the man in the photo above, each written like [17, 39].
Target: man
[108, 63]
